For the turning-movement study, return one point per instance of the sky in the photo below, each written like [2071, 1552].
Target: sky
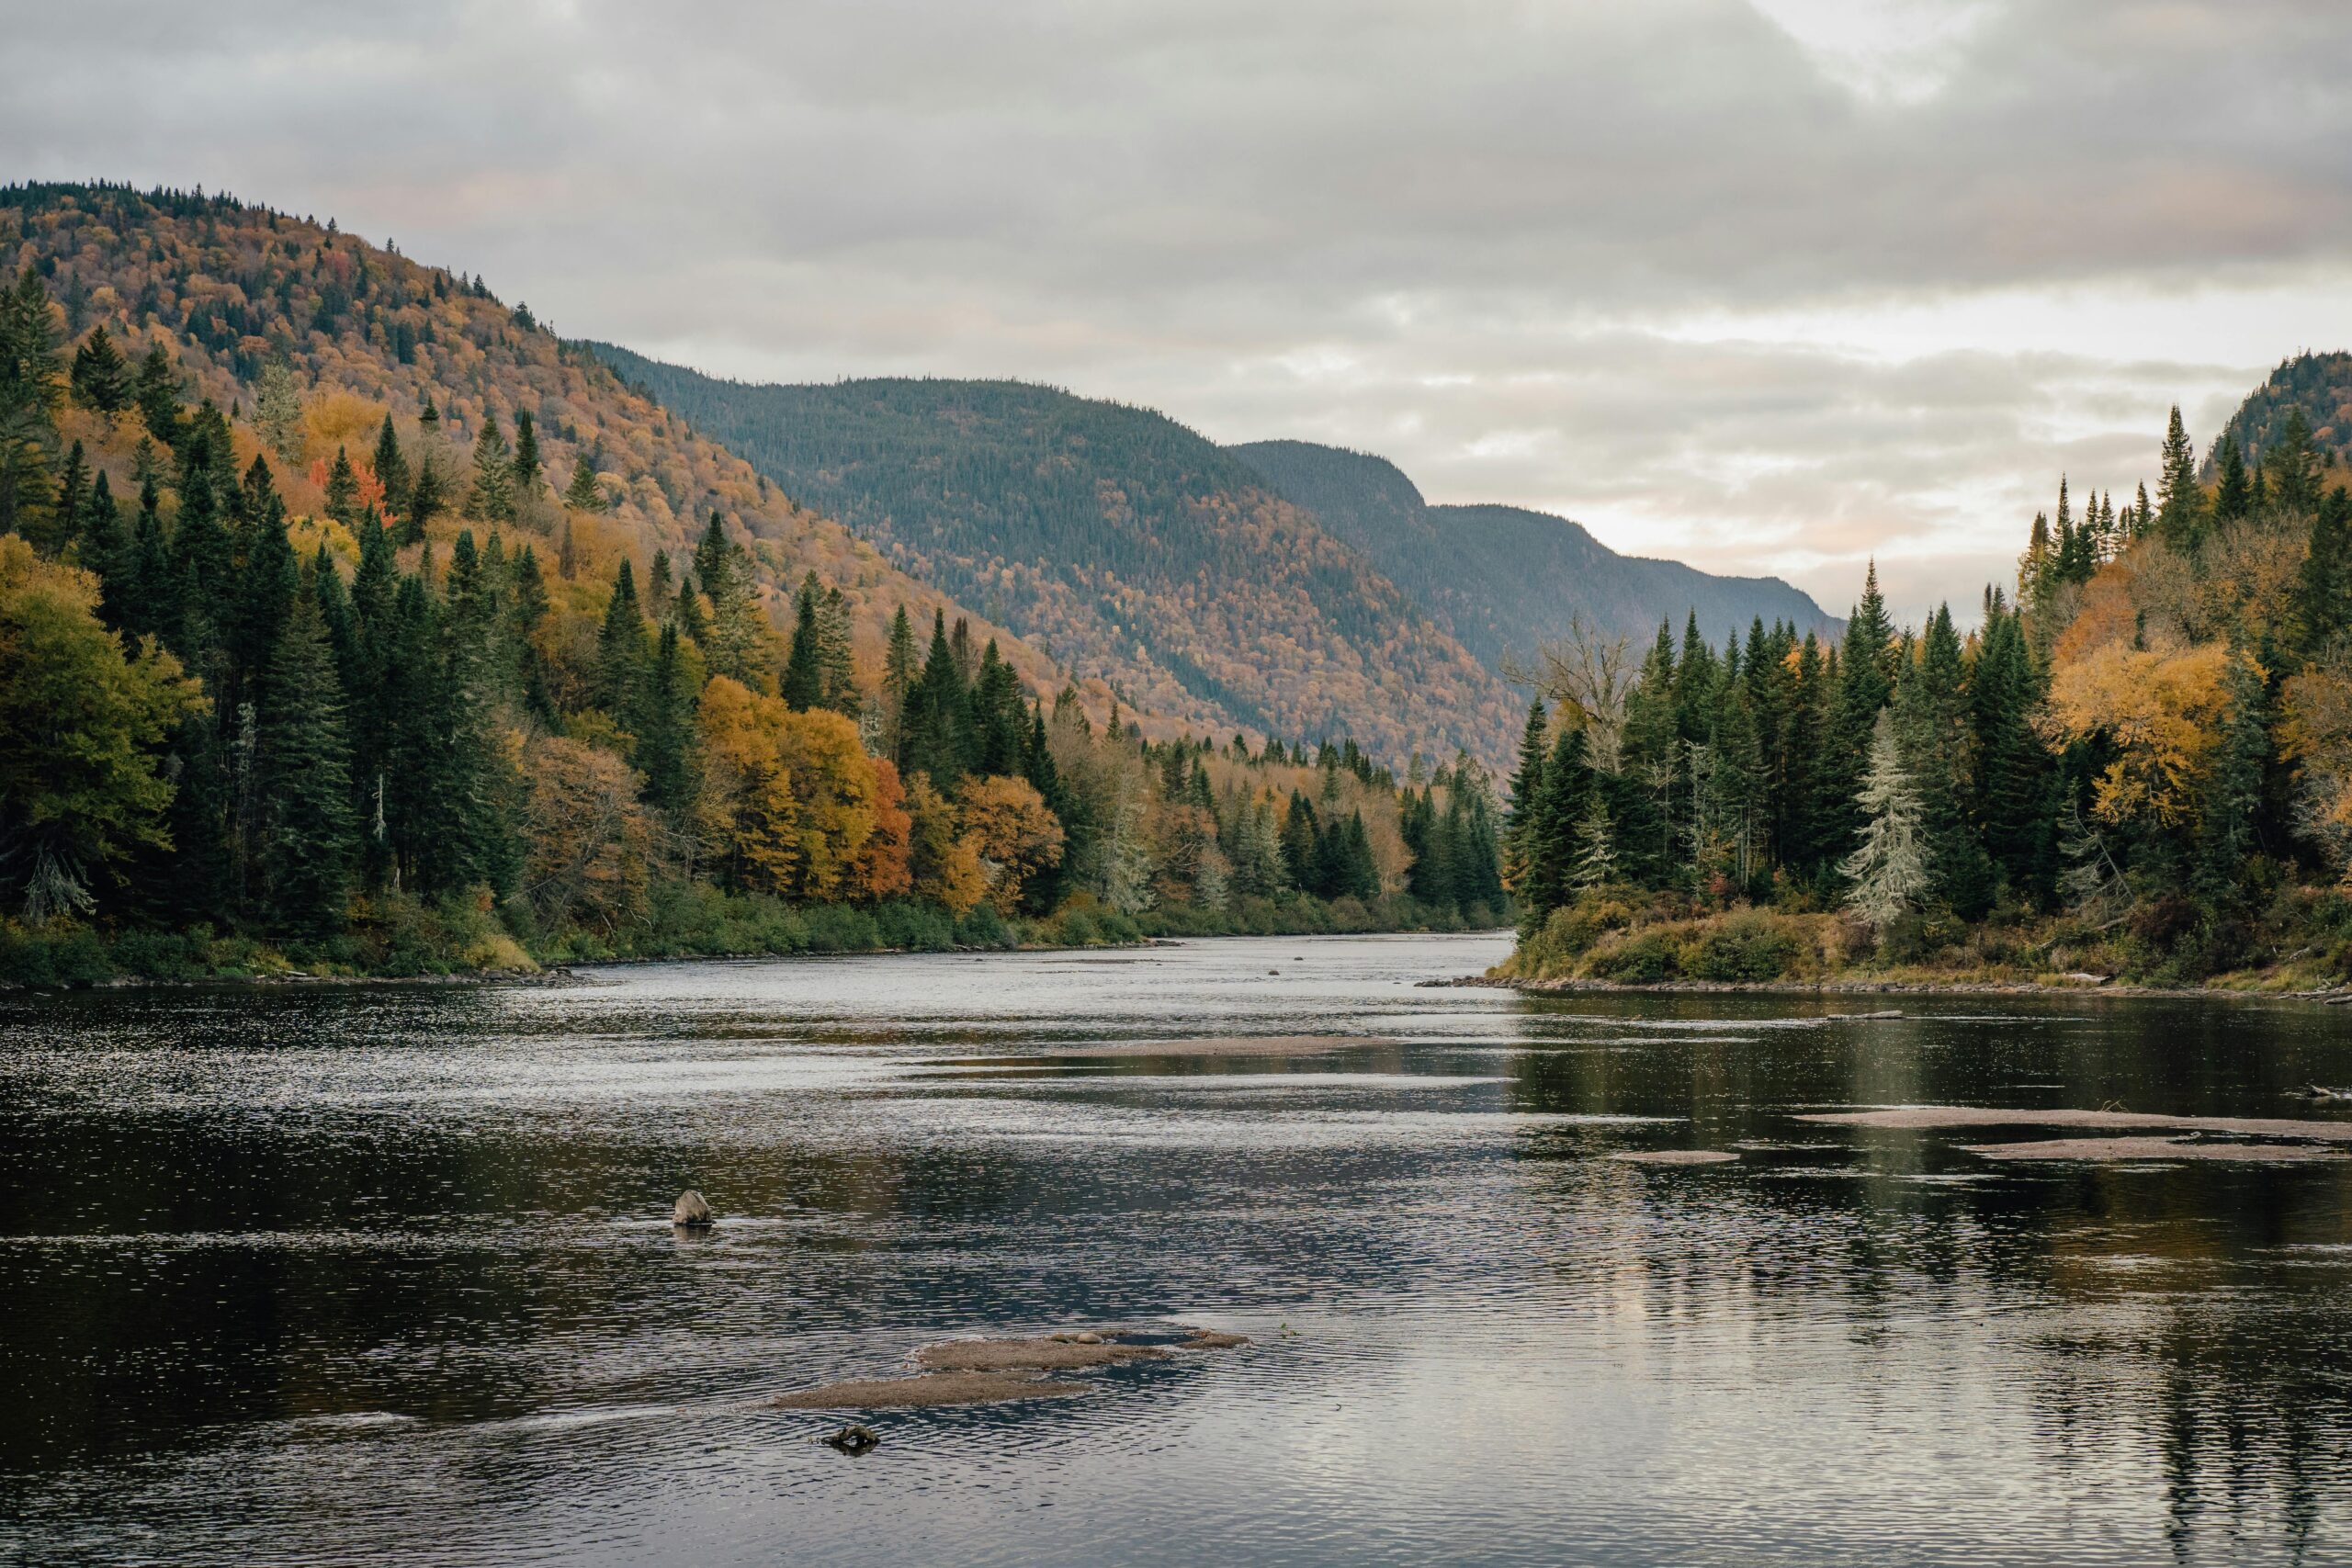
[1769, 286]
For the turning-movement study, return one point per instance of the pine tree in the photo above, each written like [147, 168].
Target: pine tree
[390, 464]
[528, 472]
[1888, 869]
[663, 724]
[620, 645]
[2233, 494]
[2180, 505]
[157, 395]
[491, 499]
[803, 683]
[308, 842]
[1526, 784]
[101, 374]
[583, 493]
[2291, 467]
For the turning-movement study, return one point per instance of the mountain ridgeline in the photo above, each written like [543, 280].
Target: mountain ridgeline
[1118, 541]
[1503, 579]
[1279, 586]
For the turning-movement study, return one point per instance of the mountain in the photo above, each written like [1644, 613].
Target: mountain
[230, 290]
[1119, 542]
[1503, 579]
[2320, 385]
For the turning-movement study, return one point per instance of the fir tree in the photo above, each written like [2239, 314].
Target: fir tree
[583, 493]
[157, 395]
[390, 464]
[528, 472]
[620, 645]
[2180, 505]
[1888, 869]
[491, 499]
[101, 374]
[2233, 494]
[1526, 785]
[307, 843]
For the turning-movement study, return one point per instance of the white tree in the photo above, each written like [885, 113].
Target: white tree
[1596, 857]
[1889, 868]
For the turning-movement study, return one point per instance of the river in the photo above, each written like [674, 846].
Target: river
[384, 1275]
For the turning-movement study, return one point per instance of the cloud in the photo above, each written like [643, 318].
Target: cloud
[1772, 285]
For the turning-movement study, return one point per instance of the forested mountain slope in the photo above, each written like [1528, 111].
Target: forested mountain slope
[2317, 386]
[360, 330]
[1118, 541]
[1505, 579]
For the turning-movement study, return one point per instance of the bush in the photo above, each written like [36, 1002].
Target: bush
[1747, 947]
[1643, 960]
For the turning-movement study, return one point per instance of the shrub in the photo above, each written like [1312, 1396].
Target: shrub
[1747, 946]
[1641, 960]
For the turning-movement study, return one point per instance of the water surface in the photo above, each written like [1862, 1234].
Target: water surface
[384, 1275]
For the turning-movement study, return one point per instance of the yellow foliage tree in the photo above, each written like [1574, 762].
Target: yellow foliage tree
[833, 786]
[1011, 830]
[747, 814]
[2162, 711]
[589, 840]
[945, 865]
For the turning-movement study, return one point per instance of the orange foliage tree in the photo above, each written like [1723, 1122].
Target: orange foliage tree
[1013, 832]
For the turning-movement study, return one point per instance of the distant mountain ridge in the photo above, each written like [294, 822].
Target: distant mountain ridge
[1278, 586]
[1122, 543]
[1505, 579]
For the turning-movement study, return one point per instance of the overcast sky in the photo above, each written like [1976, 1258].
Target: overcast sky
[1767, 285]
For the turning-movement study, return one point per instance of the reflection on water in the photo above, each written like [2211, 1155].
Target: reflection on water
[357, 1276]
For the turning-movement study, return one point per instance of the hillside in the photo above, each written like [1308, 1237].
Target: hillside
[2318, 384]
[229, 289]
[1120, 542]
[1504, 579]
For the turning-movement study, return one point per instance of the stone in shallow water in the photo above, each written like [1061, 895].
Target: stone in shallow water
[923, 1393]
[691, 1212]
[1047, 1355]
[1210, 1340]
[2152, 1149]
[1673, 1156]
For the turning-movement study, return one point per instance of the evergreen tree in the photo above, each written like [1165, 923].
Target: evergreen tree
[529, 474]
[306, 850]
[101, 374]
[157, 395]
[390, 464]
[492, 500]
[426, 499]
[2290, 465]
[2232, 803]
[343, 490]
[2180, 505]
[620, 645]
[663, 724]
[277, 411]
[1888, 869]
[2323, 594]
[803, 683]
[2233, 495]
[1526, 784]
[583, 493]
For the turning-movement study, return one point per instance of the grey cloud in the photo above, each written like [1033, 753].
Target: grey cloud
[1491, 216]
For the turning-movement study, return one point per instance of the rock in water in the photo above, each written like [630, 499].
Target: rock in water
[691, 1213]
[853, 1440]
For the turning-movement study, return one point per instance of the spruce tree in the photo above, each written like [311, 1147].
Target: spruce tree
[803, 683]
[528, 470]
[1887, 871]
[663, 724]
[101, 374]
[1526, 784]
[492, 500]
[390, 464]
[306, 851]
[2180, 505]
[2290, 465]
[620, 646]
[2233, 494]
[583, 493]
[157, 395]
[426, 499]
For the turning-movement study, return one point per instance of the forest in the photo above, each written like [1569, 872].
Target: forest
[2137, 764]
[302, 679]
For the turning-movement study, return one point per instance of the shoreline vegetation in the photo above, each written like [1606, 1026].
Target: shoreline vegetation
[2135, 774]
[312, 662]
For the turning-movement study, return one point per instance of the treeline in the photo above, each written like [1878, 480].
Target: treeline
[2138, 761]
[415, 729]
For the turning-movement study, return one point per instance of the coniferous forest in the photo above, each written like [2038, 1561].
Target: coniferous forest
[302, 677]
[2136, 763]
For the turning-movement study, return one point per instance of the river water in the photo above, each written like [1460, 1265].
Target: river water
[385, 1276]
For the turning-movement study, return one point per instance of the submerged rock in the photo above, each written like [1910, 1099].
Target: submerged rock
[1054, 1354]
[854, 1439]
[925, 1392]
[1673, 1156]
[690, 1213]
[1210, 1340]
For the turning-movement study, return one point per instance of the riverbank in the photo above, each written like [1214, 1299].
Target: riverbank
[2298, 944]
[468, 941]
[2086, 985]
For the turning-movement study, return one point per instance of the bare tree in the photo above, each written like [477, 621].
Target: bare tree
[1590, 672]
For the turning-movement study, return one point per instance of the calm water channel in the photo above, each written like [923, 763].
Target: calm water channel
[385, 1276]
